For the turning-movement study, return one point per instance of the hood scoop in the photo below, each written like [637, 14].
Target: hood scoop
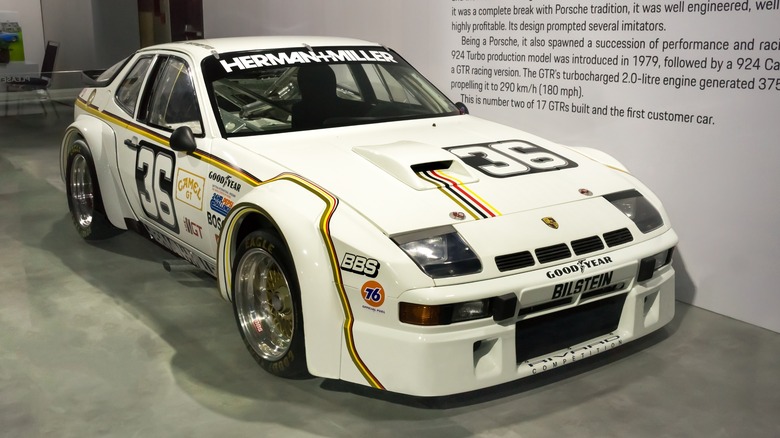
[408, 161]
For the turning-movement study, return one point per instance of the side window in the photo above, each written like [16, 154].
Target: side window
[127, 93]
[173, 102]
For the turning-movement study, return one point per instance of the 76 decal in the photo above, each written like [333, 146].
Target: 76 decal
[510, 158]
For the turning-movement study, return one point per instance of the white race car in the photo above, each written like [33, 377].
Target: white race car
[364, 227]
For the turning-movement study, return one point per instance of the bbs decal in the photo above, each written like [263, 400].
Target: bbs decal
[510, 158]
[360, 265]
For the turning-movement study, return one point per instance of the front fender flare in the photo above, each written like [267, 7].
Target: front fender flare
[300, 211]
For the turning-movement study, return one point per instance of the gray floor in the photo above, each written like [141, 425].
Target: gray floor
[98, 340]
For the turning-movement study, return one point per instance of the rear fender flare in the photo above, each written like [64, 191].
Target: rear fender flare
[101, 142]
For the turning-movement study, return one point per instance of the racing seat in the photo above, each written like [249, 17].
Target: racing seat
[317, 84]
[40, 84]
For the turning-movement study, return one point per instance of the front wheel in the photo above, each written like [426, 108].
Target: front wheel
[267, 305]
[84, 201]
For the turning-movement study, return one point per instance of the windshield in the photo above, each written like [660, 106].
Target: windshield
[299, 89]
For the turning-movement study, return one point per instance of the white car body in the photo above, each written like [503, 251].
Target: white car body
[339, 197]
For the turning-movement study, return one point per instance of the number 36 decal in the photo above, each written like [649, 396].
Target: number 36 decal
[510, 158]
[154, 173]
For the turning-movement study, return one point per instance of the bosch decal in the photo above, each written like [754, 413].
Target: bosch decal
[582, 285]
[578, 267]
[221, 204]
[360, 265]
[214, 220]
[189, 189]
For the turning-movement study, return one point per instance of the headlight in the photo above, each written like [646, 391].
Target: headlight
[421, 314]
[637, 208]
[439, 252]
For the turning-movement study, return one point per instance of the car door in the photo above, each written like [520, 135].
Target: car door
[165, 188]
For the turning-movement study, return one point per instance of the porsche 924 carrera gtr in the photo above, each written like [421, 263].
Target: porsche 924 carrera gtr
[363, 226]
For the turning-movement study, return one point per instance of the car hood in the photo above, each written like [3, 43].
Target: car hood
[380, 171]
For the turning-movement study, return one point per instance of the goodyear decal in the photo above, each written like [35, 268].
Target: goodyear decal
[454, 189]
[331, 203]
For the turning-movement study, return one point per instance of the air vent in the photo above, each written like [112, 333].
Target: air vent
[586, 245]
[618, 237]
[517, 260]
[553, 253]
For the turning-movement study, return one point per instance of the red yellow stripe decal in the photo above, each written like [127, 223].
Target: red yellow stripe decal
[165, 141]
[460, 194]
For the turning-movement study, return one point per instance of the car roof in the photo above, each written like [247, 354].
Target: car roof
[207, 47]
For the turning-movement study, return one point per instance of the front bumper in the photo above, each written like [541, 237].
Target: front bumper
[466, 356]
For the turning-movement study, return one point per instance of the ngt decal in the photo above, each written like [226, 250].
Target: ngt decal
[582, 285]
[360, 265]
[193, 228]
[510, 158]
[294, 57]
[189, 189]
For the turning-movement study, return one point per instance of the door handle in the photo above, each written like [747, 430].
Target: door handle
[129, 143]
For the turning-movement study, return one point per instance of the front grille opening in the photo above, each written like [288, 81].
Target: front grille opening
[516, 260]
[602, 291]
[587, 245]
[555, 331]
[544, 306]
[553, 253]
[618, 237]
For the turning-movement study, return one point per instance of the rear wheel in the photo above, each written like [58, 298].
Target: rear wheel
[267, 305]
[84, 201]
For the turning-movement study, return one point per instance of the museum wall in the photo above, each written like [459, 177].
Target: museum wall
[29, 16]
[686, 94]
[91, 33]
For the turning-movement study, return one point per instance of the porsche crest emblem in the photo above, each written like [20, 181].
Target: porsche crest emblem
[550, 222]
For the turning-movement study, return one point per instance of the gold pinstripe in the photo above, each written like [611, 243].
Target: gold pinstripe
[331, 203]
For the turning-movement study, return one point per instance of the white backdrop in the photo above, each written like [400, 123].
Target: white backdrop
[716, 172]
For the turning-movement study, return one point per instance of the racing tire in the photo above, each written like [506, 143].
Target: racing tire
[267, 305]
[84, 201]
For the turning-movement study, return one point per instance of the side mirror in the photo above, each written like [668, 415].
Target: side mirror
[183, 140]
[462, 108]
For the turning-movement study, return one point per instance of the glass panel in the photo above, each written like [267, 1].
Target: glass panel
[127, 93]
[174, 102]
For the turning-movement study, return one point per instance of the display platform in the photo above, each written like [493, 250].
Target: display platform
[99, 340]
